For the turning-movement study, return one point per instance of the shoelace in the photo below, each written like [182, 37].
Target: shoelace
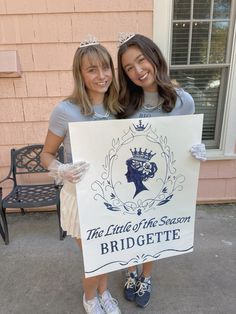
[143, 287]
[95, 307]
[109, 304]
[130, 283]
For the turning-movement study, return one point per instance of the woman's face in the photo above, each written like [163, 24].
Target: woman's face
[139, 70]
[97, 78]
[130, 174]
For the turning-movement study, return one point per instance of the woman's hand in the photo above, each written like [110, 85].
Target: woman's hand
[68, 172]
[198, 151]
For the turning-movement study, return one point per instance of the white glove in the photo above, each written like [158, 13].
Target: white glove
[68, 172]
[199, 152]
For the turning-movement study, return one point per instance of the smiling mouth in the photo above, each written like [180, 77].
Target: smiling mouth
[102, 83]
[143, 77]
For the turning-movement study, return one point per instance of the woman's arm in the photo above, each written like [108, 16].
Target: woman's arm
[60, 172]
[51, 145]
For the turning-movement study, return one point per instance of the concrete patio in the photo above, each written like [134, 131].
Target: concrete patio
[40, 274]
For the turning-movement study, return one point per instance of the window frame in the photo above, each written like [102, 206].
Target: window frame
[162, 15]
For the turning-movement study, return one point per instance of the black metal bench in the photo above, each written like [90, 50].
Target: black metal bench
[3, 221]
[24, 161]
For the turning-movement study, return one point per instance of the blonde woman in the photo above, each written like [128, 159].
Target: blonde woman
[95, 97]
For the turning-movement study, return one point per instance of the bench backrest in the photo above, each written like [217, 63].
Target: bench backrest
[26, 160]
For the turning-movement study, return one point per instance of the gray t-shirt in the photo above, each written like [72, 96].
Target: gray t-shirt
[184, 105]
[66, 112]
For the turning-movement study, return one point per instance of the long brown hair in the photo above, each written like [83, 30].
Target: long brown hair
[79, 95]
[131, 96]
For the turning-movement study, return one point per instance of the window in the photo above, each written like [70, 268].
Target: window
[200, 57]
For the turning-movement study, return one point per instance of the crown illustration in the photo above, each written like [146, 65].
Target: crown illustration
[90, 41]
[140, 126]
[124, 37]
[140, 155]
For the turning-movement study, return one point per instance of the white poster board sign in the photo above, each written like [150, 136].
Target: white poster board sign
[137, 201]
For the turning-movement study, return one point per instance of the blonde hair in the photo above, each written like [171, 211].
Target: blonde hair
[79, 95]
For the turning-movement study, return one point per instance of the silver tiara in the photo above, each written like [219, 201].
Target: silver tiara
[124, 37]
[90, 41]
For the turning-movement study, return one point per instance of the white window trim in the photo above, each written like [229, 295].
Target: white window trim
[162, 19]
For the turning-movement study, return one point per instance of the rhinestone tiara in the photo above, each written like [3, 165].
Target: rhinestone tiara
[89, 41]
[124, 37]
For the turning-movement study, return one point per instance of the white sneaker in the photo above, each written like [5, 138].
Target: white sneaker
[92, 306]
[109, 304]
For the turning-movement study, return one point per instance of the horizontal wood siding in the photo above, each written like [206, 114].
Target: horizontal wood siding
[46, 33]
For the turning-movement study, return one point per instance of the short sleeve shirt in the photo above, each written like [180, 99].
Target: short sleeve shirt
[66, 112]
[184, 105]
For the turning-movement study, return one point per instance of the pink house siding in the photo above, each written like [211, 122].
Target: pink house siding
[217, 181]
[46, 33]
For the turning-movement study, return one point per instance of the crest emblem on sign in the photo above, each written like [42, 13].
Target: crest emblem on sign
[139, 172]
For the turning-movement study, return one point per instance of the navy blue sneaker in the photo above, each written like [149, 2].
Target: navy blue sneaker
[143, 291]
[130, 286]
